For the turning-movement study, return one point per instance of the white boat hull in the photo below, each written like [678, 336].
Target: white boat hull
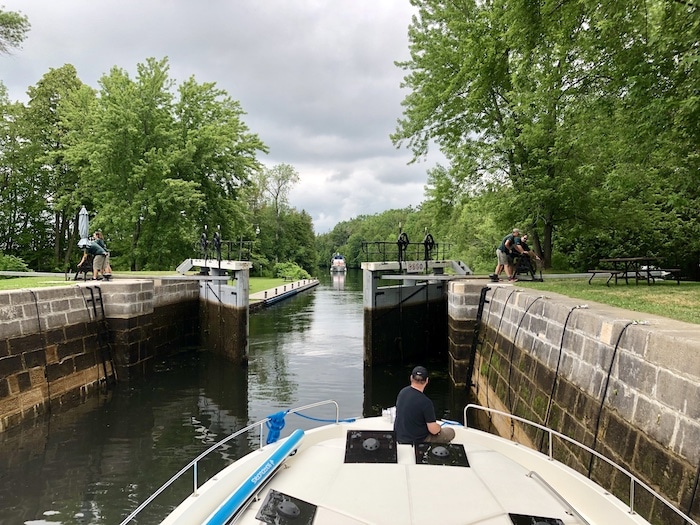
[497, 483]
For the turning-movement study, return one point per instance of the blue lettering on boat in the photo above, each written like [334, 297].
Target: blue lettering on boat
[263, 470]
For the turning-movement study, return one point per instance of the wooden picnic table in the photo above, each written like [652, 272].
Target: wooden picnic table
[639, 266]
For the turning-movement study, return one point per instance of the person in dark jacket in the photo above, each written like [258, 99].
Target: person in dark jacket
[99, 257]
[506, 253]
[415, 415]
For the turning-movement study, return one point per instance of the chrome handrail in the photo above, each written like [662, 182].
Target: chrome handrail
[193, 464]
[634, 480]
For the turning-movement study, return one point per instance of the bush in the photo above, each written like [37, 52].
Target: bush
[10, 263]
[291, 270]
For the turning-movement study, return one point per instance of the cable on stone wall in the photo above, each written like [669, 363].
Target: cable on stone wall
[43, 347]
[511, 404]
[482, 340]
[605, 393]
[556, 370]
[495, 338]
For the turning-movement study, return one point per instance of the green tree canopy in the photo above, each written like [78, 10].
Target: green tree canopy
[13, 30]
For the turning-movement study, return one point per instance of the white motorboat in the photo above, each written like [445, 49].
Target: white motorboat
[354, 472]
[338, 264]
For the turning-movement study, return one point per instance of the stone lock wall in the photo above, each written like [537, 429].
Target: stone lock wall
[624, 383]
[57, 345]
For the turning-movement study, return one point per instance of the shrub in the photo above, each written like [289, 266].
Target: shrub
[10, 263]
[291, 270]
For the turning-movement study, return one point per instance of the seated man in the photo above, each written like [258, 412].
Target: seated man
[415, 415]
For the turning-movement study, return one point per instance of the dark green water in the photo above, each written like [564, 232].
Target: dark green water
[94, 463]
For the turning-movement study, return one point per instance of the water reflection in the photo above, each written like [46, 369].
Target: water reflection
[338, 279]
[94, 463]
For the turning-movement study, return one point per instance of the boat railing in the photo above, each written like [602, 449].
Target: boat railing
[634, 480]
[194, 463]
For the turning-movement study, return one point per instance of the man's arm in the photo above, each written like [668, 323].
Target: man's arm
[434, 427]
[518, 246]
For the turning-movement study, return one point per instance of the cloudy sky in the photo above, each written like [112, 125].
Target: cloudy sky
[316, 78]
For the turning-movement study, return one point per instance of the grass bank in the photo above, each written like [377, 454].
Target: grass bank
[664, 298]
[257, 284]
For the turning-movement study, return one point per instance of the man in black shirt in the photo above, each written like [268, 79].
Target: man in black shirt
[415, 415]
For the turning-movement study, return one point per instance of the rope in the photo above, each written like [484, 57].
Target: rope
[348, 420]
[275, 424]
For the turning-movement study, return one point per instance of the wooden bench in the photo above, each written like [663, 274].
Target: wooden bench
[288, 278]
[613, 273]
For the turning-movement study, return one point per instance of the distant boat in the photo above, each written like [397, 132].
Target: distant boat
[338, 263]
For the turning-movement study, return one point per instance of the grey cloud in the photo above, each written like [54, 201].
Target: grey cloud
[316, 78]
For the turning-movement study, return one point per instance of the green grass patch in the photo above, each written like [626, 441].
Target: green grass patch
[257, 284]
[16, 283]
[664, 298]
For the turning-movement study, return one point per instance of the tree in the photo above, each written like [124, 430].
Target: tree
[125, 153]
[159, 169]
[46, 133]
[216, 151]
[275, 184]
[13, 30]
[505, 89]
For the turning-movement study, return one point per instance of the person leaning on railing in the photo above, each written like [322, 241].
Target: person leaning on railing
[99, 256]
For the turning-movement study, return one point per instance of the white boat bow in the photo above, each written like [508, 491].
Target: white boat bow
[354, 472]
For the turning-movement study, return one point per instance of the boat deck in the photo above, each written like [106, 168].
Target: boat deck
[498, 487]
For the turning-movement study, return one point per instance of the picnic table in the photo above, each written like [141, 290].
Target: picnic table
[623, 267]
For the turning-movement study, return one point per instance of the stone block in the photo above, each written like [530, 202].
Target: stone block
[688, 439]
[596, 353]
[74, 317]
[632, 370]
[34, 358]
[75, 331]
[27, 343]
[679, 394]
[57, 371]
[21, 297]
[86, 361]
[55, 321]
[676, 351]
[51, 353]
[4, 389]
[24, 381]
[69, 349]
[10, 328]
[635, 339]
[623, 400]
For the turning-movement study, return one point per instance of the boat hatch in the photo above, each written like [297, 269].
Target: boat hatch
[282, 509]
[370, 446]
[452, 454]
[523, 519]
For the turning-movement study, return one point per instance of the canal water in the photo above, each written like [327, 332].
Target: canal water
[96, 462]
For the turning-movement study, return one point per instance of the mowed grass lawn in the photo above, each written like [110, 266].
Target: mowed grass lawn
[257, 284]
[664, 298]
